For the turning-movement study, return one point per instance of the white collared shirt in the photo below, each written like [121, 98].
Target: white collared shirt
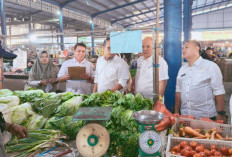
[77, 86]
[111, 72]
[144, 75]
[198, 85]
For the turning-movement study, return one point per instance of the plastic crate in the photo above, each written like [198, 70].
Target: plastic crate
[225, 129]
[172, 141]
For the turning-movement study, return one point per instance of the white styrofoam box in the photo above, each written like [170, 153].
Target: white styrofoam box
[225, 129]
[173, 141]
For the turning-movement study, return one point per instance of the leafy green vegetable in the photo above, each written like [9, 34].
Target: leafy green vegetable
[21, 112]
[29, 96]
[5, 92]
[38, 139]
[67, 125]
[48, 104]
[69, 107]
[10, 100]
[35, 122]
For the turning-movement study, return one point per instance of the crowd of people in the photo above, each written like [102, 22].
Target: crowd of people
[199, 82]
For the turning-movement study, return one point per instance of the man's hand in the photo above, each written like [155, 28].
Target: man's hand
[44, 82]
[64, 78]
[53, 80]
[222, 117]
[85, 77]
[18, 130]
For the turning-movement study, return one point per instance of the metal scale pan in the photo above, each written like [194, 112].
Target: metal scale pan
[148, 117]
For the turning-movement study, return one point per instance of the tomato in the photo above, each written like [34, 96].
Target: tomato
[230, 151]
[212, 151]
[202, 146]
[224, 151]
[197, 155]
[199, 149]
[188, 148]
[202, 154]
[193, 144]
[214, 147]
[173, 152]
[185, 152]
[217, 153]
[207, 152]
[183, 144]
[176, 148]
[193, 152]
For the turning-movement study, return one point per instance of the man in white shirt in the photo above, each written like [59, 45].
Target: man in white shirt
[198, 83]
[144, 73]
[77, 86]
[112, 72]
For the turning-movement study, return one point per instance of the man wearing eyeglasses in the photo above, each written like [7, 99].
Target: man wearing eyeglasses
[77, 86]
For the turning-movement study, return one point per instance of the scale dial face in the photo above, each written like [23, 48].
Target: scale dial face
[92, 140]
[149, 142]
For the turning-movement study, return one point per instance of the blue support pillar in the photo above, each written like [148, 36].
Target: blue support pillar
[187, 23]
[61, 29]
[92, 36]
[172, 46]
[3, 20]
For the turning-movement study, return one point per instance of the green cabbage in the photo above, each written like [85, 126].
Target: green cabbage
[29, 96]
[10, 100]
[35, 122]
[48, 124]
[5, 92]
[67, 126]
[21, 112]
[70, 107]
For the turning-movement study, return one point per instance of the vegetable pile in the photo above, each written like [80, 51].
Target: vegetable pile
[38, 140]
[211, 134]
[39, 110]
[193, 149]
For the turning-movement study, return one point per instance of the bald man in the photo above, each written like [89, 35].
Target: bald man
[198, 83]
[144, 73]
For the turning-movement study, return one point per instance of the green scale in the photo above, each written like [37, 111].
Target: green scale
[149, 140]
[93, 139]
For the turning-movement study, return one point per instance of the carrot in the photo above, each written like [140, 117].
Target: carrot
[163, 125]
[219, 136]
[219, 121]
[172, 120]
[206, 119]
[188, 116]
[192, 132]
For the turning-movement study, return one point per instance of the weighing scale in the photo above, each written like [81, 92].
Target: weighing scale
[149, 140]
[93, 139]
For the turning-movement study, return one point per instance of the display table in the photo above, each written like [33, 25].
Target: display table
[14, 81]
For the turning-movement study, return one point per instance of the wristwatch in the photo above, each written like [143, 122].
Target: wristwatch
[221, 112]
[2, 122]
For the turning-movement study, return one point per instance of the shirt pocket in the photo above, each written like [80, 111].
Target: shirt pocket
[111, 72]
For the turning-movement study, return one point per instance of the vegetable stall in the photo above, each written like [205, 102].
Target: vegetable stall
[49, 119]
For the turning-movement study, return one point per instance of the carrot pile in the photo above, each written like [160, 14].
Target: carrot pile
[168, 120]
